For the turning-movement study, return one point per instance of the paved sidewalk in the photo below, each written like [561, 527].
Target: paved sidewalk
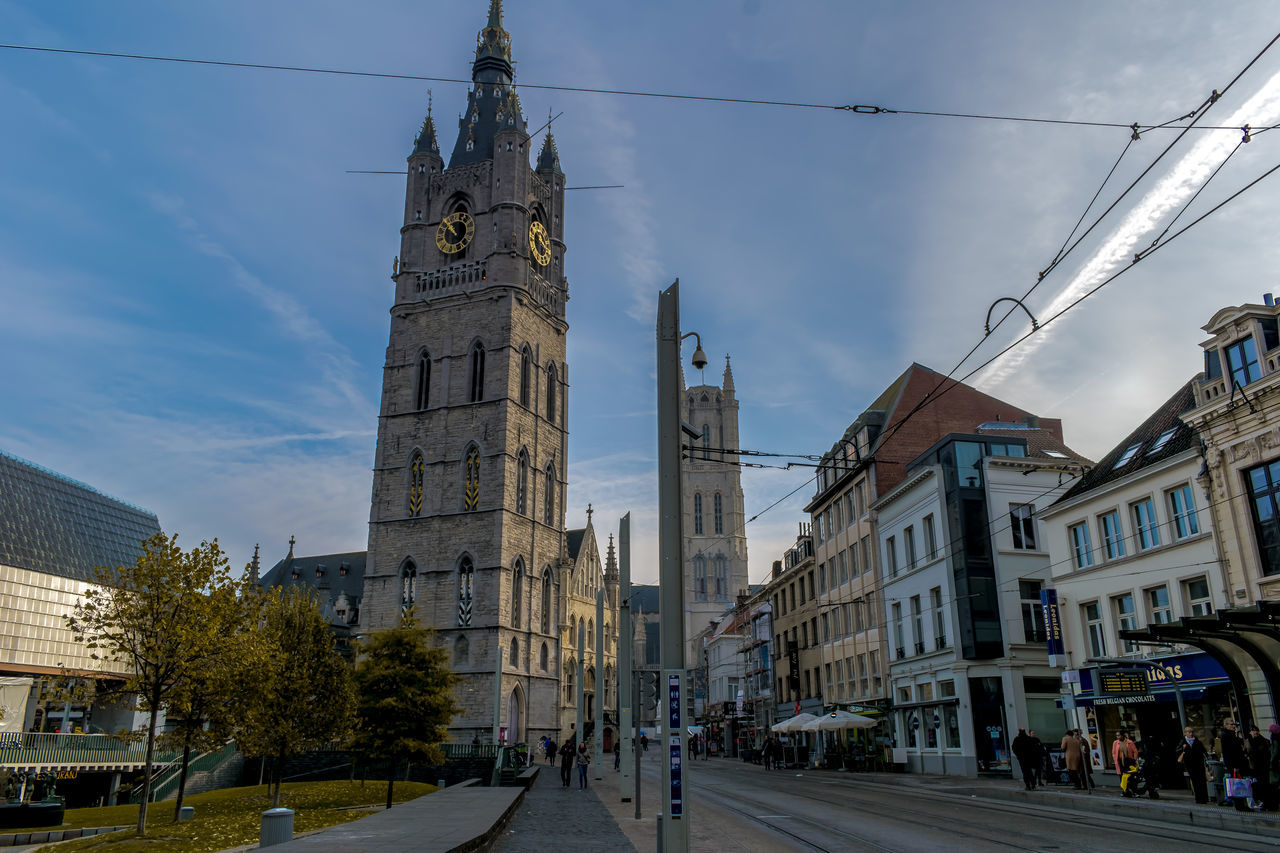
[563, 820]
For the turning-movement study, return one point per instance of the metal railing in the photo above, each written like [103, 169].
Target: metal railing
[46, 751]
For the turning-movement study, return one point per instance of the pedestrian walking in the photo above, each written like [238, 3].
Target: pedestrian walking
[1231, 750]
[566, 764]
[550, 747]
[1273, 776]
[644, 742]
[1022, 752]
[1072, 756]
[617, 755]
[1086, 754]
[1123, 752]
[1192, 756]
[1038, 756]
[1258, 752]
[583, 760]
[767, 753]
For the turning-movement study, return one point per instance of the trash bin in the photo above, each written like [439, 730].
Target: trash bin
[277, 827]
[186, 813]
[1217, 790]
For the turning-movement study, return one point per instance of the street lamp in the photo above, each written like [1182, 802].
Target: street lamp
[1172, 676]
[674, 831]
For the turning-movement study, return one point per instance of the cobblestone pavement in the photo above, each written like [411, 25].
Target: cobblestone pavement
[553, 819]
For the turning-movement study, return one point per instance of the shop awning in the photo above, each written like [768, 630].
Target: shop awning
[1245, 641]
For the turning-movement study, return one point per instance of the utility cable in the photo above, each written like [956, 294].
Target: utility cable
[859, 109]
[1198, 113]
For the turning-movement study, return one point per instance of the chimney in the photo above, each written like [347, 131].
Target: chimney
[777, 568]
[1268, 300]
[1033, 421]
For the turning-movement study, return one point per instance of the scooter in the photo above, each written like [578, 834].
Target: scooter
[1134, 782]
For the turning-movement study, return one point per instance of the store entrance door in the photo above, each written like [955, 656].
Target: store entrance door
[990, 734]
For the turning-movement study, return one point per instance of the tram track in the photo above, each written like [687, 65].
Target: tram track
[955, 812]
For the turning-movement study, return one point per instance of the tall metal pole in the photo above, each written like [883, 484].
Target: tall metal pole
[626, 638]
[674, 830]
[601, 686]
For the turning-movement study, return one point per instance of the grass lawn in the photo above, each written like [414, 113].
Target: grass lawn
[230, 817]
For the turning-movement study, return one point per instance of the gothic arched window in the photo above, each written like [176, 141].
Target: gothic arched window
[582, 631]
[718, 509]
[546, 600]
[522, 482]
[515, 652]
[471, 483]
[706, 441]
[517, 591]
[573, 634]
[552, 381]
[466, 589]
[416, 468]
[591, 634]
[700, 578]
[544, 658]
[549, 499]
[722, 577]
[697, 513]
[408, 585]
[423, 394]
[526, 376]
[569, 694]
[461, 648]
[477, 372]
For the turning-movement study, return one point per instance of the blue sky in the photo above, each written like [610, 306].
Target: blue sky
[194, 295]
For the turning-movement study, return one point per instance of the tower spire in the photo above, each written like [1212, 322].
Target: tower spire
[549, 157]
[254, 567]
[493, 48]
[426, 141]
[491, 104]
[728, 374]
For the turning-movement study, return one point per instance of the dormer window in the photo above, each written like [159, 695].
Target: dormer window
[1162, 441]
[1242, 361]
[1130, 452]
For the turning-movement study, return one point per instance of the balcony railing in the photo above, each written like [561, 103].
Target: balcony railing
[30, 750]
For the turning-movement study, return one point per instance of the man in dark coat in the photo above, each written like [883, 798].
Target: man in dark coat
[1258, 750]
[1038, 756]
[566, 763]
[1022, 749]
[1234, 761]
[1191, 757]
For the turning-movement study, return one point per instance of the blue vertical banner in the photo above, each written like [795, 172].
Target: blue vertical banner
[1053, 628]
[675, 801]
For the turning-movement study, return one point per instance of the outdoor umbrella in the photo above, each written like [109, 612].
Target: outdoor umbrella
[793, 724]
[836, 721]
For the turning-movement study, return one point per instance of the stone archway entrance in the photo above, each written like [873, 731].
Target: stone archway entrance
[515, 701]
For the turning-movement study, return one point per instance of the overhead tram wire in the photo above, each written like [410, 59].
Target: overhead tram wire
[1198, 113]
[858, 109]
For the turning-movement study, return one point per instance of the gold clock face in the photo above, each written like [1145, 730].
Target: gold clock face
[455, 232]
[539, 243]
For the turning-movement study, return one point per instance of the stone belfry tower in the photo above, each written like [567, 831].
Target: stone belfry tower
[715, 543]
[467, 517]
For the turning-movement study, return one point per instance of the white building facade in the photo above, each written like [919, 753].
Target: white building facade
[963, 565]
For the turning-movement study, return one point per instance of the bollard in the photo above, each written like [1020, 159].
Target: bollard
[186, 813]
[277, 827]
[659, 832]
[441, 783]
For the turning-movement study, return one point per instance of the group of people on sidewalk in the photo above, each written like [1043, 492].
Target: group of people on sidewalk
[1254, 757]
[571, 753]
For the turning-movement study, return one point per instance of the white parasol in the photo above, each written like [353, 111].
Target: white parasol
[793, 724]
[836, 721]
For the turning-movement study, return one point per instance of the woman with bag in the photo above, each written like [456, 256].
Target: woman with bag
[1191, 757]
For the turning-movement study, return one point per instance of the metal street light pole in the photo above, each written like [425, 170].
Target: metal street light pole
[626, 636]
[601, 686]
[674, 831]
